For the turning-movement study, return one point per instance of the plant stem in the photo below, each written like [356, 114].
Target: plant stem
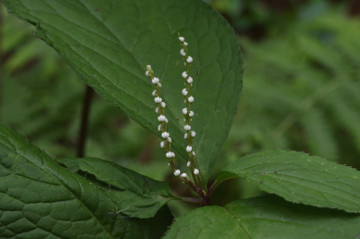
[84, 121]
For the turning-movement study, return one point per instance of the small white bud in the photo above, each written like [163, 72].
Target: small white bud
[193, 153]
[191, 99]
[159, 127]
[169, 164]
[147, 73]
[157, 110]
[184, 92]
[188, 148]
[163, 104]
[165, 135]
[155, 80]
[177, 172]
[169, 139]
[159, 84]
[148, 67]
[170, 154]
[196, 171]
[162, 118]
[162, 144]
[182, 39]
[193, 134]
[189, 59]
[158, 100]
[191, 113]
[182, 52]
[154, 93]
[185, 135]
[184, 75]
[185, 43]
[188, 164]
[184, 110]
[190, 80]
[187, 127]
[183, 175]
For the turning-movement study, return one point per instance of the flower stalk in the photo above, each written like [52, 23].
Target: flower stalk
[189, 114]
[197, 184]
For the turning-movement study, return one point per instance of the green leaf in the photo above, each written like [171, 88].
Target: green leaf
[110, 42]
[267, 217]
[137, 195]
[41, 199]
[301, 178]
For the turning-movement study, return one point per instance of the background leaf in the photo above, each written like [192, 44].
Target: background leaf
[257, 218]
[109, 43]
[137, 195]
[301, 178]
[41, 199]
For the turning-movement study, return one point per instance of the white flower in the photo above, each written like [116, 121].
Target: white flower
[184, 92]
[182, 52]
[154, 93]
[155, 80]
[191, 113]
[162, 144]
[193, 153]
[185, 43]
[147, 73]
[169, 139]
[165, 135]
[184, 75]
[177, 172]
[182, 39]
[159, 127]
[191, 99]
[148, 67]
[185, 136]
[163, 104]
[162, 118]
[184, 110]
[157, 110]
[189, 59]
[196, 171]
[159, 84]
[193, 134]
[190, 80]
[183, 175]
[188, 164]
[170, 154]
[157, 99]
[188, 148]
[187, 127]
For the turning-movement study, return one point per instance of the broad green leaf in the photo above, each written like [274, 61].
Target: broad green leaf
[41, 199]
[109, 43]
[269, 217]
[136, 195]
[301, 178]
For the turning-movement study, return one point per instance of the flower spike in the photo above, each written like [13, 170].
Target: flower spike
[189, 99]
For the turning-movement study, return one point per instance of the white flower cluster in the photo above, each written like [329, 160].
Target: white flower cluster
[163, 121]
[189, 134]
[189, 99]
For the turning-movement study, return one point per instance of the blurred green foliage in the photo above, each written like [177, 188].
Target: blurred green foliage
[302, 90]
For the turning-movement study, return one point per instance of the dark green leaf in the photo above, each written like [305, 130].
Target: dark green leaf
[135, 194]
[301, 178]
[110, 42]
[259, 218]
[40, 199]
